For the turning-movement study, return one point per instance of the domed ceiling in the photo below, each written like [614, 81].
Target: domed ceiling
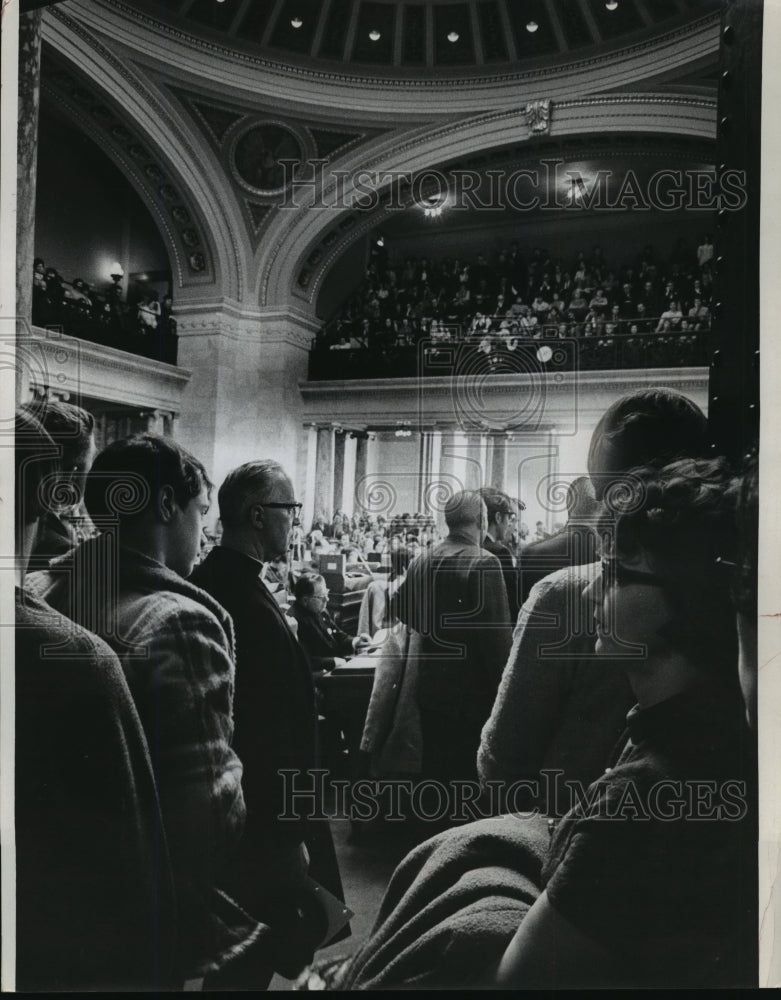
[421, 37]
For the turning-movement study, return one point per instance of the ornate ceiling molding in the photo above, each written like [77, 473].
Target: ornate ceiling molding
[228, 70]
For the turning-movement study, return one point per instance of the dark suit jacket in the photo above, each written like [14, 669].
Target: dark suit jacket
[274, 702]
[454, 597]
[321, 637]
[275, 728]
[512, 579]
[574, 545]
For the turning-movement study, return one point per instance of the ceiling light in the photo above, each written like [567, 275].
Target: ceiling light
[611, 4]
[374, 35]
[380, 242]
[296, 22]
[453, 36]
[532, 27]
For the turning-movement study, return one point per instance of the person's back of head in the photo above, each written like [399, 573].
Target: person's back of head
[36, 466]
[465, 512]
[72, 430]
[647, 427]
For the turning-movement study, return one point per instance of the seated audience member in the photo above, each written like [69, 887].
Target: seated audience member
[94, 898]
[557, 707]
[275, 715]
[501, 518]
[148, 497]
[455, 601]
[325, 643]
[642, 883]
[72, 430]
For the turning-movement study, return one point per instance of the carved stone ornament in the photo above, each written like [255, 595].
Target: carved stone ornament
[538, 116]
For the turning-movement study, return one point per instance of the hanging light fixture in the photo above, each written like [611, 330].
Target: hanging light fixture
[296, 22]
[611, 4]
[375, 35]
[453, 36]
[532, 26]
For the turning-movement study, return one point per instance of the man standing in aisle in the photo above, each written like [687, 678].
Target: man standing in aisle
[275, 714]
[454, 599]
[148, 497]
[501, 518]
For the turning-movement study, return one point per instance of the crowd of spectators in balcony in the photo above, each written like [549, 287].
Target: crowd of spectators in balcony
[139, 322]
[650, 307]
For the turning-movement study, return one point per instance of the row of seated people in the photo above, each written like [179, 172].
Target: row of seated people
[141, 324]
[404, 300]
[675, 900]
[615, 726]
[155, 719]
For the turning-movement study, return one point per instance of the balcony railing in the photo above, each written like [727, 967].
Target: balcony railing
[487, 355]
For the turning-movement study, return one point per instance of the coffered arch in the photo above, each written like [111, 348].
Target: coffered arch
[305, 241]
[162, 156]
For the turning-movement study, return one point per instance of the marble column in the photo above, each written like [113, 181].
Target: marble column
[26, 168]
[498, 461]
[475, 474]
[338, 498]
[242, 402]
[361, 467]
[324, 473]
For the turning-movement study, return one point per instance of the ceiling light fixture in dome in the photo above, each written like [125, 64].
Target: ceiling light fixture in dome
[296, 22]
[453, 36]
[375, 35]
[611, 4]
[532, 26]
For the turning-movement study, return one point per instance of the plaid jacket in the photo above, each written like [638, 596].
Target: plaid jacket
[176, 646]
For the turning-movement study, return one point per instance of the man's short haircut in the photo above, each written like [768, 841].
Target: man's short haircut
[647, 427]
[249, 483]
[496, 502]
[463, 509]
[126, 477]
[305, 585]
[35, 461]
[69, 426]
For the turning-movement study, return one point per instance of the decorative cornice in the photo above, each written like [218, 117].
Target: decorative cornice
[561, 382]
[105, 373]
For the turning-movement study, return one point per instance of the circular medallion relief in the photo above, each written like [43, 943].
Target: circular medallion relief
[257, 153]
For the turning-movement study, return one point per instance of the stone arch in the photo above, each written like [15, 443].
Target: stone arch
[303, 244]
[154, 147]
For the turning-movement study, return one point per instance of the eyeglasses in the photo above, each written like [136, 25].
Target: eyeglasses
[293, 507]
[613, 572]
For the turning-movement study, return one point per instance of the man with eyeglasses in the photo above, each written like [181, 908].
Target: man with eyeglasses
[326, 644]
[501, 520]
[274, 711]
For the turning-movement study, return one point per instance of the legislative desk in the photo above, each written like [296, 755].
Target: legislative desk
[346, 691]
